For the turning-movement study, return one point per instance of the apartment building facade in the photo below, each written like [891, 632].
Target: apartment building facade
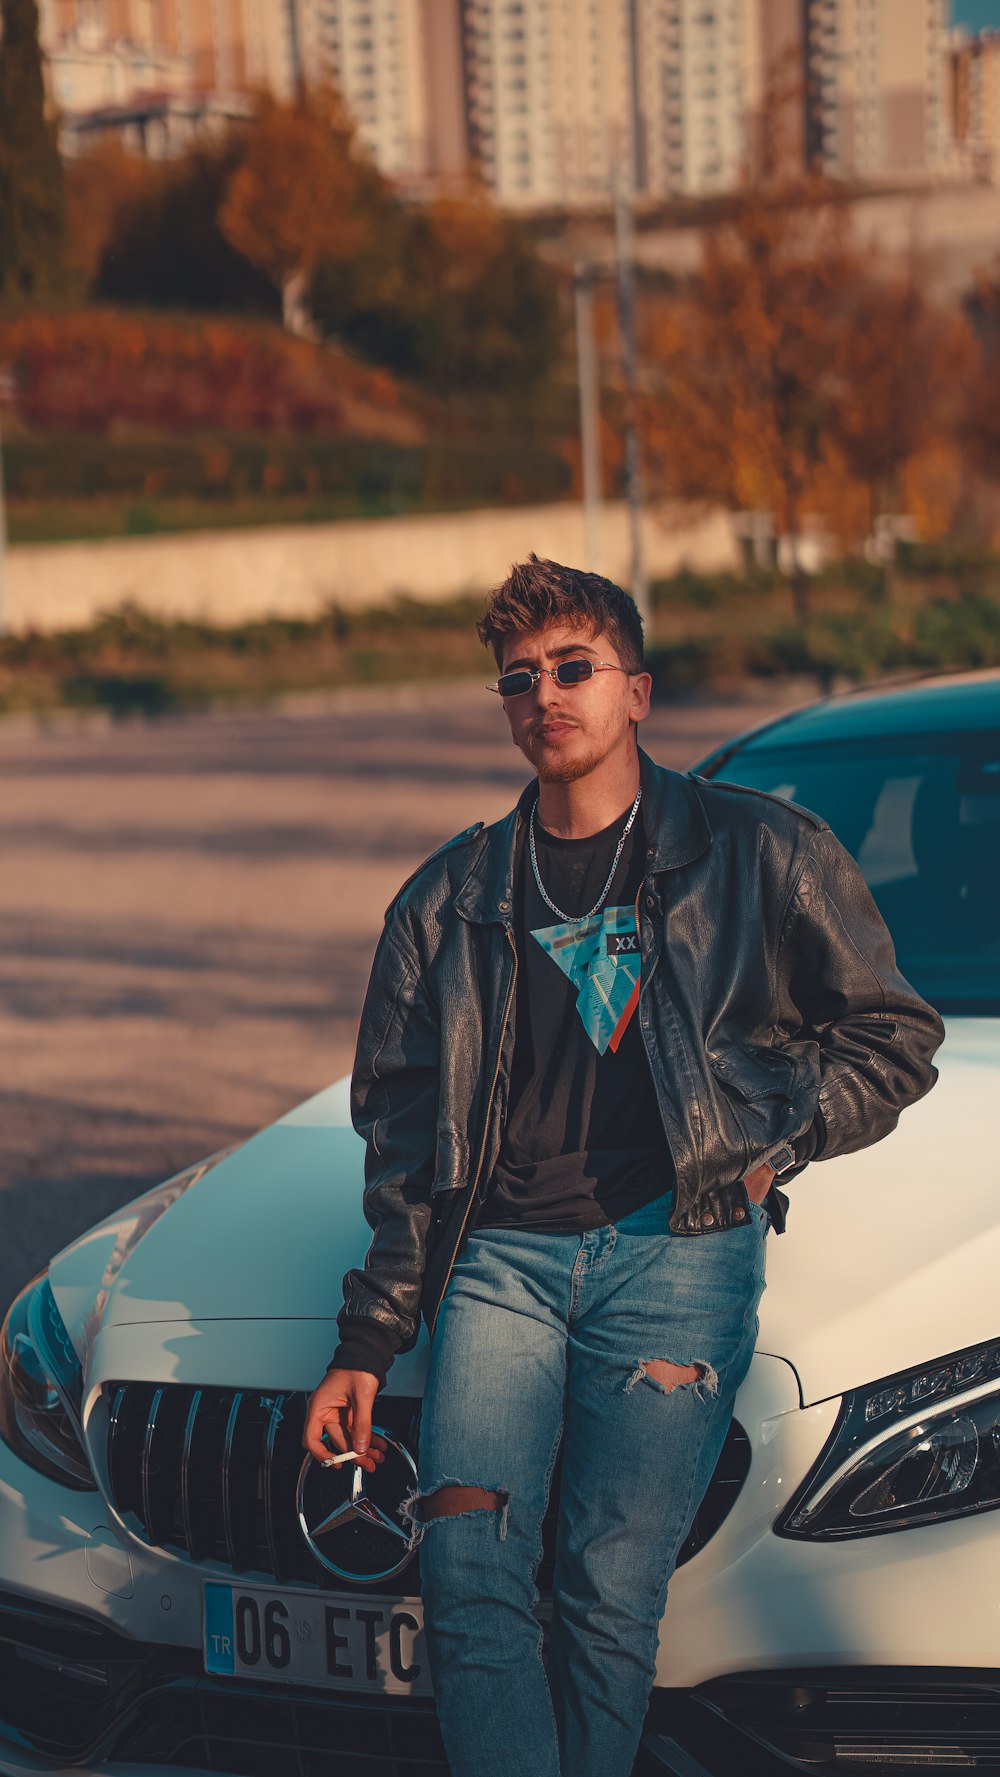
[549, 101]
[114, 51]
[974, 76]
[679, 92]
[693, 62]
[876, 77]
[372, 51]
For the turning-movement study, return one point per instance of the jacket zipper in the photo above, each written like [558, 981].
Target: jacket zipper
[486, 1133]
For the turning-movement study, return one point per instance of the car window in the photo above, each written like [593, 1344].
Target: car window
[922, 817]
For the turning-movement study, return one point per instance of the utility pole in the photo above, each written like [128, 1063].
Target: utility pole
[626, 326]
[8, 388]
[3, 553]
[586, 359]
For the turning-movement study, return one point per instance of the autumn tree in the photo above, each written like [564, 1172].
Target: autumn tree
[301, 193]
[103, 186]
[156, 235]
[450, 293]
[980, 421]
[32, 217]
[742, 408]
[900, 369]
[498, 301]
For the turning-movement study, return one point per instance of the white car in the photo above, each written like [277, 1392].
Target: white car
[181, 1585]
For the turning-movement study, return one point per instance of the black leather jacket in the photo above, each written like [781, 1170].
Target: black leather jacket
[771, 1011]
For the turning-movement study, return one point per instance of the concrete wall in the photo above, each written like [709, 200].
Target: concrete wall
[231, 576]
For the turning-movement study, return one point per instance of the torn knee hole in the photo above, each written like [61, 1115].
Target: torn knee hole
[669, 1376]
[450, 1502]
[453, 1499]
[672, 1375]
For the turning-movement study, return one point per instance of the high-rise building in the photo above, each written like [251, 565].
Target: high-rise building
[560, 93]
[775, 87]
[547, 87]
[372, 51]
[447, 123]
[690, 94]
[692, 63]
[548, 99]
[876, 99]
[974, 77]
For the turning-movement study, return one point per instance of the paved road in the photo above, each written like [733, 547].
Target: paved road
[188, 910]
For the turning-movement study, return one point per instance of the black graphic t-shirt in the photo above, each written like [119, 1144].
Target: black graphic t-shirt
[583, 1142]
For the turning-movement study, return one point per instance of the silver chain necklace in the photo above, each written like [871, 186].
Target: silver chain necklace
[578, 918]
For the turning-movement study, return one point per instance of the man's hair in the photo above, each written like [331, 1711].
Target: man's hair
[537, 593]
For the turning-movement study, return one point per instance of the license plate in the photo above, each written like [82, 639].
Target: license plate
[338, 1640]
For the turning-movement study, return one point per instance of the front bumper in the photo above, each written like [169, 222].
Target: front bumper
[776, 1655]
[79, 1694]
[829, 1723]
[85, 1696]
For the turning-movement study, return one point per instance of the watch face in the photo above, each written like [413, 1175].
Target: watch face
[783, 1159]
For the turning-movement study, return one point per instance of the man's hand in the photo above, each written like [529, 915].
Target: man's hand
[758, 1182]
[342, 1407]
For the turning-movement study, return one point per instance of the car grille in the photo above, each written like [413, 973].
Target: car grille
[212, 1472]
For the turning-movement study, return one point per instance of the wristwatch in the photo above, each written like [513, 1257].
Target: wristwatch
[782, 1160]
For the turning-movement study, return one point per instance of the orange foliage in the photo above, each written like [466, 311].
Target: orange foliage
[99, 185]
[297, 196]
[797, 376]
[97, 368]
[981, 421]
[469, 229]
[901, 368]
[741, 411]
[843, 502]
[933, 485]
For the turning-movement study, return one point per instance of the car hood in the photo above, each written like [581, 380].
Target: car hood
[889, 1259]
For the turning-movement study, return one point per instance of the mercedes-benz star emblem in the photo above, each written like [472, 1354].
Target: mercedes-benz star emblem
[326, 1512]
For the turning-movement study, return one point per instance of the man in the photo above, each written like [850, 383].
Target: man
[594, 1034]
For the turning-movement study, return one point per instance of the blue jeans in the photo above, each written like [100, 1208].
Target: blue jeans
[541, 1342]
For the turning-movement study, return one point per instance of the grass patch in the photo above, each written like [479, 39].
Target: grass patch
[101, 518]
[63, 487]
[130, 662]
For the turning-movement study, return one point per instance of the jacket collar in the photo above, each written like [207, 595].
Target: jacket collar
[673, 816]
[674, 821]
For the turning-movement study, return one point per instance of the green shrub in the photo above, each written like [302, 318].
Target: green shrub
[962, 632]
[123, 694]
[948, 556]
[707, 592]
[946, 634]
[679, 666]
[131, 662]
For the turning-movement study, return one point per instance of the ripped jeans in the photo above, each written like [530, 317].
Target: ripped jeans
[541, 1342]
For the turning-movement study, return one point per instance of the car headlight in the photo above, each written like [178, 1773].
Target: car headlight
[41, 1387]
[917, 1448]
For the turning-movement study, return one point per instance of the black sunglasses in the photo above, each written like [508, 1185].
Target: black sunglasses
[566, 672]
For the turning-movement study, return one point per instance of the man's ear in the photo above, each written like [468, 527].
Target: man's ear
[640, 688]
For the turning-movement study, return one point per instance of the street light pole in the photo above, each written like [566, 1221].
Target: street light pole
[8, 386]
[626, 325]
[3, 551]
[586, 359]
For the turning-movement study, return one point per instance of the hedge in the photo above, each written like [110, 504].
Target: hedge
[374, 474]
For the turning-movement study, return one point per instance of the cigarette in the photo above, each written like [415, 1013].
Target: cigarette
[335, 1461]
